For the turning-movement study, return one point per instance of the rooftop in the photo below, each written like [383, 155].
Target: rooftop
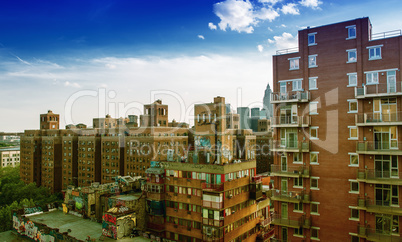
[63, 222]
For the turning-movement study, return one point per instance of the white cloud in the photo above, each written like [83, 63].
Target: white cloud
[270, 29]
[260, 48]
[22, 61]
[26, 85]
[314, 4]
[283, 25]
[273, 2]
[110, 66]
[290, 8]
[201, 36]
[212, 26]
[267, 14]
[285, 41]
[237, 15]
[71, 84]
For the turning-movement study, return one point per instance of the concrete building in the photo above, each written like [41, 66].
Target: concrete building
[244, 113]
[336, 135]
[9, 156]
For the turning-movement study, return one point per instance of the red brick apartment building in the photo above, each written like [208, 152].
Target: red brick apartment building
[337, 135]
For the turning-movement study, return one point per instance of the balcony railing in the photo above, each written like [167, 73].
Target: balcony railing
[212, 187]
[370, 119]
[266, 235]
[290, 146]
[290, 171]
[378, 90]
[288, 221]
[388, 34]
[265, 222]
[373, 235]
[290, 121]
[209, 204]
[378, 148]
[212, 222]
[379, 206]
[211, 238]
[290, 196]
[287, 51]
[378, 176]
[294, 96]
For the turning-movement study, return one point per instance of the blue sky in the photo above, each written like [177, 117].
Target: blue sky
[185, 51]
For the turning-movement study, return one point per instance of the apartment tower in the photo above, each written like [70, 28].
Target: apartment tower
[337, 139]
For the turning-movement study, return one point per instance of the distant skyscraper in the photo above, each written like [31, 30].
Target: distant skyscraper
[244, 113]
[267, 109]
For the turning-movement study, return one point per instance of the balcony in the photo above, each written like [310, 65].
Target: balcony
[188, 182]
[378, 90]
[289, 122]
[290, 146]
[212, 187]
[384, 35]
[290, 97]
[290, 171]
[379, 148]
[288, 221]
[372, 235]
[379, 119]
[266, 235]
[210, 204]
[373, 206]
[379, 177]
[156, 227]
[212, 222]
[184, 230]
[265, 222]
[290, 196]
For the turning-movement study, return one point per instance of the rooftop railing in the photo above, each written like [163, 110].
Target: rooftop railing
[384, 35]
[287, 51]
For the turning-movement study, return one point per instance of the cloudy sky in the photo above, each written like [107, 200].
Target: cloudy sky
[83, 59]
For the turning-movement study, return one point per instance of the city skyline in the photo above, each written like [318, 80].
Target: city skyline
[197, 50]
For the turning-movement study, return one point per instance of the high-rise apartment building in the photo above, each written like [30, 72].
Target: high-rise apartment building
[213, 194]
[337, 135]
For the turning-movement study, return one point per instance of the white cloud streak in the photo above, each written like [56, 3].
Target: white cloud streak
[314, 4]
[201, 37]
[290, 8]
[212, 26]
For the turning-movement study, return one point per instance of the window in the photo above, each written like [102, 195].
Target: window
[312, 61]
[354, 186]
[354, 214]
[352, 106]
[386, 195]
[298, 232]
[298, 207]
[313, 107]
[372, 78]
[294, 63]
[297, 85]
[311, 39]
[314, 183]
[352, 133]
[312, 83]
[387, 224]
[354, 159]
[297, 157]
[298, 182]
[352, 79]
[313, 158]
[352, 55]
[354, 238]
[351, 32]
[314, 208]
[374, 52]
[314, 232]
[313, 132]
